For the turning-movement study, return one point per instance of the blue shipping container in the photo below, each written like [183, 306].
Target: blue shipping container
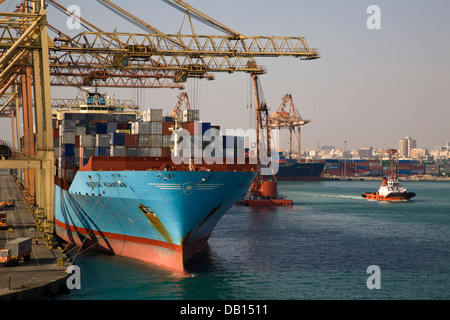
[101, 127]
[67, 150]
[102, 151]
[405, 172]
[118, 139]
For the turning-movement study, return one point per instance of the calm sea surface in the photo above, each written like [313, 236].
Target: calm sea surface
[318, 249]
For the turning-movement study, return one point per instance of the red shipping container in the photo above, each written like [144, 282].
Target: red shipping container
[122, 125]
[190, 127]
[77, 141]
[93, 122]
[166, 152]
[55, 133]
[334, 172]
[166, 127]
[131, 140]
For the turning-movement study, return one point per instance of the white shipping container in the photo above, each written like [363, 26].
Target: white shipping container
[57, 151]
[155, 152]
[155, 141]
[140, 128]
[67, 125]
[155, 127]
[117, 151]
[80, 129]
[102, 140]
[68, 137]
[191, 115]
[88, 141]
[144, 152]
[152, 115]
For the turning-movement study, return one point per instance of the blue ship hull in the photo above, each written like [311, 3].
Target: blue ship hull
[161, 217]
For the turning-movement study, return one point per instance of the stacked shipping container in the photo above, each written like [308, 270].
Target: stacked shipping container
[78, 137]
[378, 168]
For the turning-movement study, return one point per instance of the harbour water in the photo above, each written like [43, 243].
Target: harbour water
[320, 248]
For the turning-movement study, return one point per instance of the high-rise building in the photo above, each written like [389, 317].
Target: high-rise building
[365, 152]
[405, 146]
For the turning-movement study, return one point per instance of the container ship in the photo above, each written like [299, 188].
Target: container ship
[290, 170]
[118, 190]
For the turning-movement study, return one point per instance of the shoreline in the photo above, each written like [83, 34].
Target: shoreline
[425, 178]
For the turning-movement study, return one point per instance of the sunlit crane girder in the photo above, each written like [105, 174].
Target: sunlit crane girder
[192, 45]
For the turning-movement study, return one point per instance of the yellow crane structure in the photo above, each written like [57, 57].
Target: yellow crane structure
[31, 62]
[287, 116]
[27, 56]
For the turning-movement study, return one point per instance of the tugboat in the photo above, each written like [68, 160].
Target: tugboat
[390, 189]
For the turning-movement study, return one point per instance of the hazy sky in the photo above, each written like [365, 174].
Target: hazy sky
[370, 88]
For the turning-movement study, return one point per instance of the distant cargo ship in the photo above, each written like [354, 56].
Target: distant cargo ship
[117, 189]
[300, 171]
[297, 171]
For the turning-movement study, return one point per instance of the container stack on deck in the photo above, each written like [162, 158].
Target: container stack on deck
[78, 136]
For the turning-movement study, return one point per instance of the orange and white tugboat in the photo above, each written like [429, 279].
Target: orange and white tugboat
[390, 189]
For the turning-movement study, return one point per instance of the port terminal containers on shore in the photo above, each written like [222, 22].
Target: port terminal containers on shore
[378, 168]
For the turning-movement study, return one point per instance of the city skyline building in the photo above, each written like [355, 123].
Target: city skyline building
[405, 146]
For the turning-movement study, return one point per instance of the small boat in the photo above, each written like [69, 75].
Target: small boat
[390, 190]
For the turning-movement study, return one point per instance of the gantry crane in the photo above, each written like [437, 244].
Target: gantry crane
[27, 56]
[181, 104]
[287, 116]
[30, 62]
[264, 189]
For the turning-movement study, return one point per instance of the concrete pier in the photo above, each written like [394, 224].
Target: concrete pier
[44, 274]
